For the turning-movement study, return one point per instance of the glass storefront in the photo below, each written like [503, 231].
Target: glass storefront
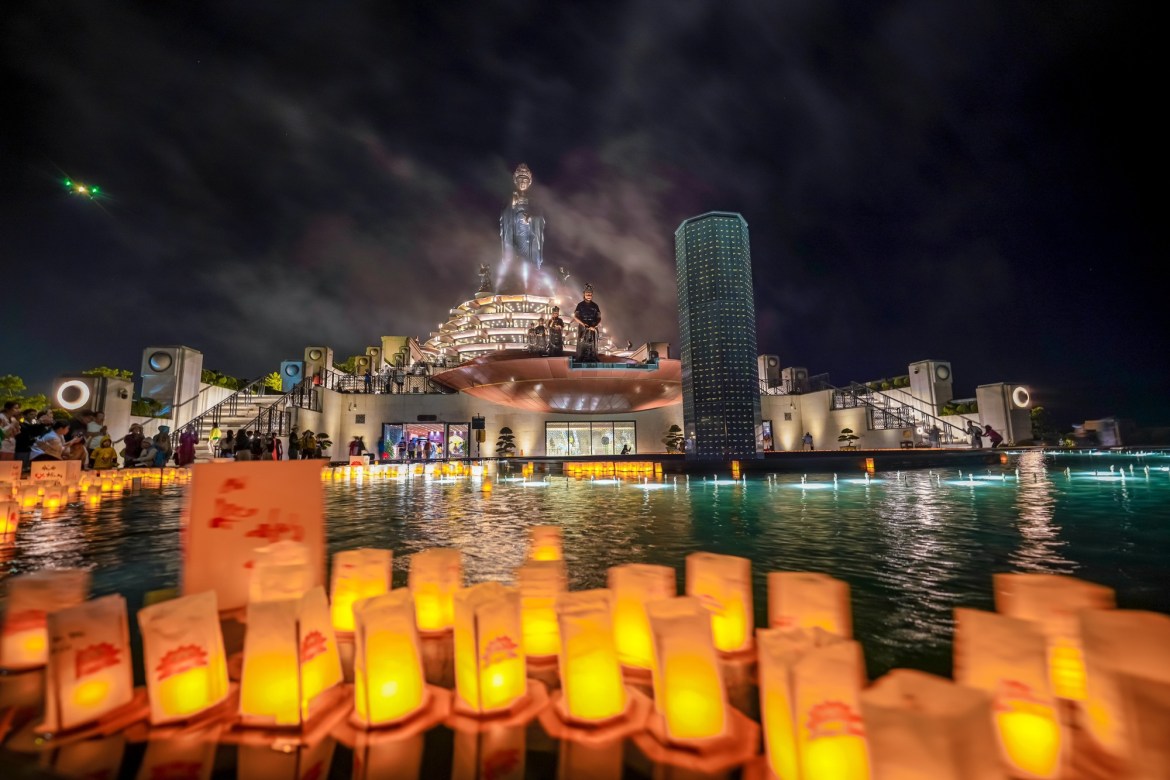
[576, 439]
[425, 441]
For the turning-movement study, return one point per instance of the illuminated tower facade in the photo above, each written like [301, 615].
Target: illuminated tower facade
[717, 326]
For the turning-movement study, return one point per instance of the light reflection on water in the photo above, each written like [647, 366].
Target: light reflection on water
[912, 545]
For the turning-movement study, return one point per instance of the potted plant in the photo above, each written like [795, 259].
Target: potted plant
[673, 439]
[323, 444]
[506, 444]
[847, 439]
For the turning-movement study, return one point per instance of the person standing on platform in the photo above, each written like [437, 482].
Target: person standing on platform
[935, 437]
[976, 435]
[588, 318]
[9, 430]
[243, 445]
[556, 333]
[808, 440]
[227, 445]
[104, 456]
[294, 444]
[213, 440]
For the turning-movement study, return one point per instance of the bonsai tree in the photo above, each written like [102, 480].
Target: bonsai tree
[323, 444]
[847, 438]
[506, 444]
[673, 439]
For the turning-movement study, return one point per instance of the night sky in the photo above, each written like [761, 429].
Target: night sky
[969, 181]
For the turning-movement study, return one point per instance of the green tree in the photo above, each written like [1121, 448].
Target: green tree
[349, 366]
[847, 439]
[111, 373]
[12, 388]
[1041, 426]
[272, 381]
[210, 376]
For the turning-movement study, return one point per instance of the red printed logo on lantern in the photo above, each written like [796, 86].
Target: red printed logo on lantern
[181, 659]
[312, 646]
[92, 659]
[1015, 696]
[834, 719]
[500, 764]
[25, 621]
[498, 650]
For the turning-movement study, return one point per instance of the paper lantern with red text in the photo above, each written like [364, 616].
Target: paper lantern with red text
[186, 667]
[89, 670]
[24, 643]
[490, 670]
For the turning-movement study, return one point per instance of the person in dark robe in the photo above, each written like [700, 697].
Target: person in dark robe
[588, 318]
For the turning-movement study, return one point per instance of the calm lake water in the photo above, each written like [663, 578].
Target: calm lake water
[913, 545]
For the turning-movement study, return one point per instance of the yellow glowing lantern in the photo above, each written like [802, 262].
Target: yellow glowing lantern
[923, 727]
[736, 469]
[89, 669]
[544, 543]
[182, 648]
[1052, 602]
[802, 599]
[591, 677]
[1127, 701]
[291, 663]
[93, 496]
[24, 643]
[540, 584]
[435, 576]
[1006, 657]
[723, 583]
[54, 498]
[282, 570]
[357, 574]
[388, 675]
[30, 497]
[633, 585]
[490, 673]
[809, 686]
[9, 517]
[688, 683]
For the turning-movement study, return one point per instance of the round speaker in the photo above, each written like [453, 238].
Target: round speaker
[942, 372]
[1021, 397]
[773, 362]
[73, 394]
[316, 353]
[160, 361]
[292, 370]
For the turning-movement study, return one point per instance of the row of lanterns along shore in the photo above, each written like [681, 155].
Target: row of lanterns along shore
[52, 488]
[1056, 651]
[583, 470]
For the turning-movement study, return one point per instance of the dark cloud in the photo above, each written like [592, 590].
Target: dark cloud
[964, 181]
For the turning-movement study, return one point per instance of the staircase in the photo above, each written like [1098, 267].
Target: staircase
[241, 409]
[886, 412]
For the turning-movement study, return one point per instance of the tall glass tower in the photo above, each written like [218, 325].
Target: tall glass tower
[717, 325]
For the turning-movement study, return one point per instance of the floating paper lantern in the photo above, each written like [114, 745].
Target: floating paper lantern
[89, 670]
[540, 584]
[1127, 691]
[633, 585]
[24, 643]
[435, 576]
[357, 574]
[803, 599]
[280, 571]
[923, 727]
[809, 686]
[545, 543]
[1052, 602]
[723, 583]
[30, 497]
[688, 683]
[9, 517]
[490, 673]
[389, 686]
[291, 661]
[54, 498]
[1006, 657]
[591, 677]
[182, 648]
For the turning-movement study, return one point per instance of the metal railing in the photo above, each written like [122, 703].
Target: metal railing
[276, 418]
[887, 412]
[228, 407]
[414, 381]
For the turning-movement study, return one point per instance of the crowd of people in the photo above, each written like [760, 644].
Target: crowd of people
[32, 435]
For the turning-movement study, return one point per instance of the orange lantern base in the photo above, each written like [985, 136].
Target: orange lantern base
[520, 713]
[352, 732]
[738, 746]
[31, 739]
[632, 721]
